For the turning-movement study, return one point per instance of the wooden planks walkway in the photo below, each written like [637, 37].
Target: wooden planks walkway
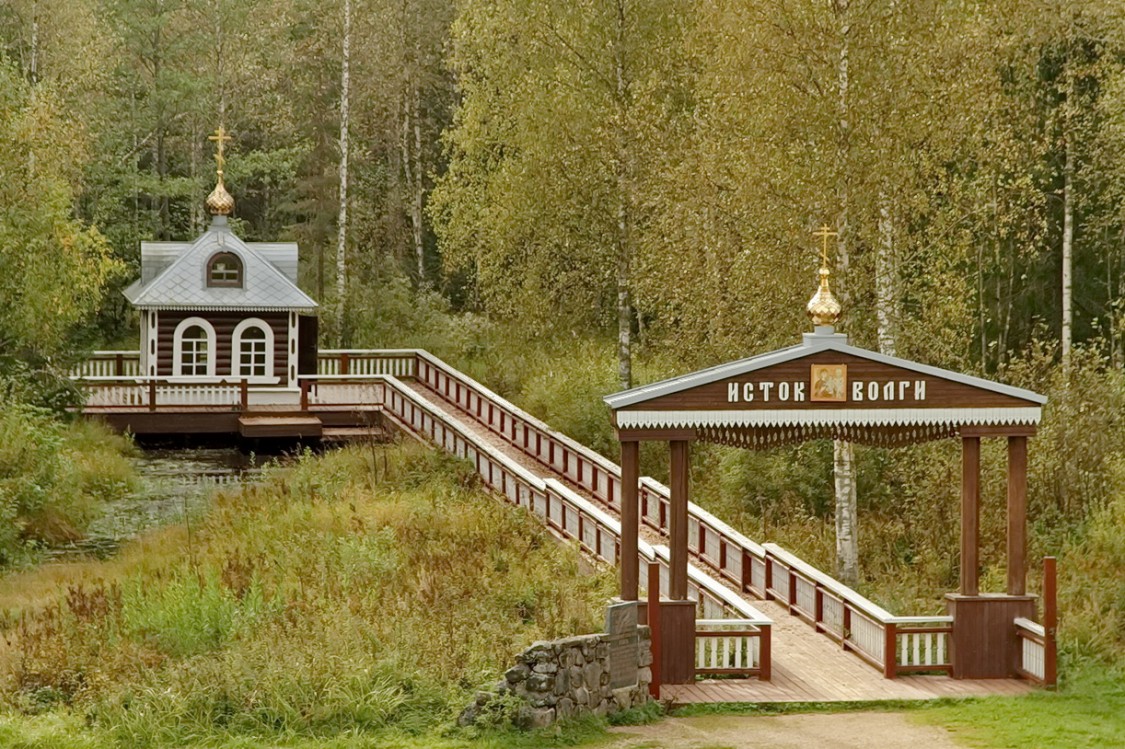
[807, 666]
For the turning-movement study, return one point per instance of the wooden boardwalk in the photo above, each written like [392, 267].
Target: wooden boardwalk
[576, 492]
[807, 667]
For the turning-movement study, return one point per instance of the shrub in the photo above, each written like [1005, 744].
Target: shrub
[53, 477]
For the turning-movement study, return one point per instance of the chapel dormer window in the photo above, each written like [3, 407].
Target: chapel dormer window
[225, 269]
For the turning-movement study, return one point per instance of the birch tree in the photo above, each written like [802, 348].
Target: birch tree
[342, 218]
[843, 464]
[547, 163]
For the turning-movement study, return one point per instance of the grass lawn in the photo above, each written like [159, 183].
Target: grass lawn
[1088, 711]
[60, 730]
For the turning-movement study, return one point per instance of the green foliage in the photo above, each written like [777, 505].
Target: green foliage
[53, 269]
[189, 614]
[1092, 591]
[53, 476]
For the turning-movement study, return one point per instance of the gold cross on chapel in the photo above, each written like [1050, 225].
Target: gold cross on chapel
[823, 233]
[220, 137]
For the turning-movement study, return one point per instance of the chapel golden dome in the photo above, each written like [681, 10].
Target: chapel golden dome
[220, 202]
[823, 307]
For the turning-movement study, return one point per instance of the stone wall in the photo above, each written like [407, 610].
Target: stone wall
[596, 674]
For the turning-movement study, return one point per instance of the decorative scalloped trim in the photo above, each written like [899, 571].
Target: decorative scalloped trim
[889, 417]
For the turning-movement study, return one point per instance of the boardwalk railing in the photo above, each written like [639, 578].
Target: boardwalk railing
[727, 647]
[1038, 648]
[347, 378]
[1033, 649]
[154, 393]
[110, 364]
[340, 392]
[397, 363]
[566, 513]
[894, 645]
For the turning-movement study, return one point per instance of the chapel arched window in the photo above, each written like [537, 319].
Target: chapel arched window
[225, 269]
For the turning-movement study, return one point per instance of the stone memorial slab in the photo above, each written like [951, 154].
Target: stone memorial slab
[621, 635]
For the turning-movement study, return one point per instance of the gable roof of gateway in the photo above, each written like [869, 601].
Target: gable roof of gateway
[183, 283]
[813, 343]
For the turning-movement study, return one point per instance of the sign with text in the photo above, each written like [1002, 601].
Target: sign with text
[827, 384]
[830, 380]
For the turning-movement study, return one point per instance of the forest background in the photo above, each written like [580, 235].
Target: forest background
[565, 198]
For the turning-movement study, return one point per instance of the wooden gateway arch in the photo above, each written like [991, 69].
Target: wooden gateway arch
[825, 388]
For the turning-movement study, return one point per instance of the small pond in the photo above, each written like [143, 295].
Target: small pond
[176, 484]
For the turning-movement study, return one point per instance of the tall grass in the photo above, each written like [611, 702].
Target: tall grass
[346, 593]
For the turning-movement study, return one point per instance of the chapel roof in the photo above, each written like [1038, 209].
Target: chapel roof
[174, 275]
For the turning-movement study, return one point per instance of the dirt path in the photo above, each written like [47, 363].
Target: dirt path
[838, 731]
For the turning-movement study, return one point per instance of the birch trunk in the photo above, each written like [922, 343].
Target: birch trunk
[622, 241]
[418, 202]
[196, 158]
[847, 544]
[843, 465]
[34, 67]
[34, 75]
[342, 220]
[886, 296]
[1067, 253]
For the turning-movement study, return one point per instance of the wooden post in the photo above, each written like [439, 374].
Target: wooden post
[344, 360]
[630, 564]
[152, 395]
[304, 395]
[748, 573]
[678, 523]
[653, 614]
[1017, 516]
[119, 365]
[1050, 623]
[890, 657]
[244, 393]
[765, 654]
[970, 515]
[767, 594]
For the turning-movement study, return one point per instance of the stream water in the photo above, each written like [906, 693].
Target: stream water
[176, 484]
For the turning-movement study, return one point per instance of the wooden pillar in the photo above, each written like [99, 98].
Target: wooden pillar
[654, 626]
[678, 523]
[629, 563]
[970, 515]
[1017, 516]
[1050, 623]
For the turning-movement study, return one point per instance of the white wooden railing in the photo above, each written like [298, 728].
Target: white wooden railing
[340, 392]
[565, 512]
[109, 364]
[367, 362]
[1033, 650]
[154, 393]
[124, 393]
[727, 647]
[922, 643]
